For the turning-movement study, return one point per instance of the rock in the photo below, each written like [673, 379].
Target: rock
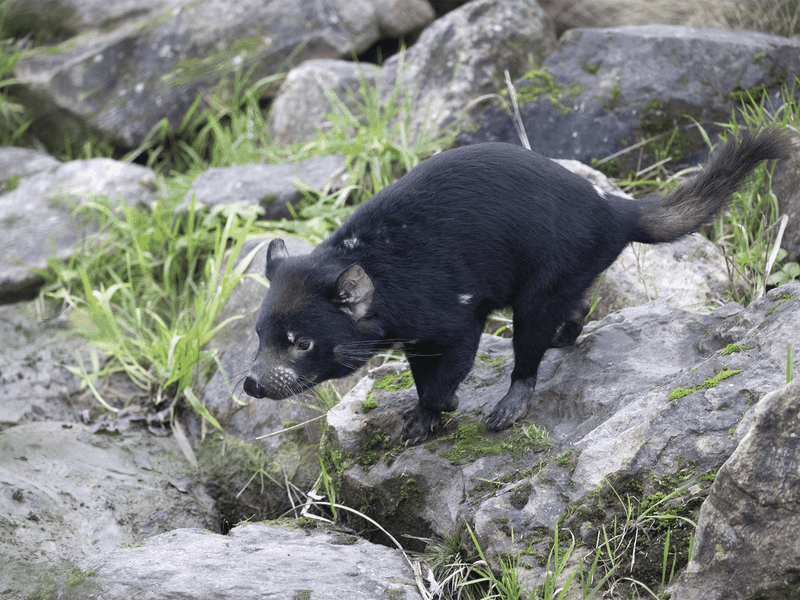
[613, 87]
[589, 13]
[270, 186]
[255, 561]
[643, 392]
[746, 544]
[462, 55]
[62, 19]
[68, 493]
[593, 176]
[784, 186]
[121, 83]
[36, 209]
[688, 274]
[35, 383]
[397, 18]
[299, 111]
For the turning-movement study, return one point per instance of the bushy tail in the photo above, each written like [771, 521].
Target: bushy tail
[696, 202]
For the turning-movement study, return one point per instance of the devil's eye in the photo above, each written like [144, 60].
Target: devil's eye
[305, 345]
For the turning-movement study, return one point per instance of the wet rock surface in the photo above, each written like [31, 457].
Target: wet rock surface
[256, 560]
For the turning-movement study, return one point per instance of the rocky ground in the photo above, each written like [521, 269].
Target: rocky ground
[659, 392]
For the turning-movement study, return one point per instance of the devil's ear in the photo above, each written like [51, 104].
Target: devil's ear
[355, 291]
[276, 252]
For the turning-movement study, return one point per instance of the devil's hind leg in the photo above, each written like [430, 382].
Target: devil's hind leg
[537, 317]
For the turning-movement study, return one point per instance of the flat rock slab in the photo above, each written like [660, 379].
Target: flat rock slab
[35, 381]
[269, 186]
[255, 561]
[36, 202]
[67, 493]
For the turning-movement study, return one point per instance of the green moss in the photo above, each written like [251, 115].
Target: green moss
[410, 491]
[565, 460]
[712, 382]
[519, 496]
[653, 105]
[708, 476]
[469, 443]
[374, 448]
[369, 405]
[781, 300]
[10, 183]
[709, 383]
[611, 103]
[759, 57]
[679, 393]
[731, 348]
[592, 69]
[491, 362]
[542, 85]
[394, 383]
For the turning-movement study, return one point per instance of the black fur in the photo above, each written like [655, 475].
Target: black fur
[466, 232]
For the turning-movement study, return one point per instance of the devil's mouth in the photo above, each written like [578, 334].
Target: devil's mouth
[282, 392]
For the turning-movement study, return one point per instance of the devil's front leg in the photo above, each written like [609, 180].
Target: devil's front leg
[437, 371]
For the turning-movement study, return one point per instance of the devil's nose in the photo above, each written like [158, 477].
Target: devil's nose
[253, 388]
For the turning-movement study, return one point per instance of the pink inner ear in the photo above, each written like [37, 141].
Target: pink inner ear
[355, 289]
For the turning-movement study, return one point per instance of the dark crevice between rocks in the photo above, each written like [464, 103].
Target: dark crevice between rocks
[247, 481]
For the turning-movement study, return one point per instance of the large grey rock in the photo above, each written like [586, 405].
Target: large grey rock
[689, 274]
[35, 382]
[255, 561]
[270, 186]
[608, 399]
[746, 545]
[784, 185]
[67, 494]
[36, 209]
[619, 85]
[61, 19]
[121, 82]
[462, 55]
[590, 13]
[299, 111]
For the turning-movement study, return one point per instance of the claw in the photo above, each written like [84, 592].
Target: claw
[512, 406]
[418, 423]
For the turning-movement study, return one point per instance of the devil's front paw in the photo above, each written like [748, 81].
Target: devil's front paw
[513, 406]
[418, 424]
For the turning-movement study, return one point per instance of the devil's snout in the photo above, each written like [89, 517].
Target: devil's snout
[253, 388]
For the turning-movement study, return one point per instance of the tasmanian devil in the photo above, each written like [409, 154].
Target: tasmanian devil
[467, 232]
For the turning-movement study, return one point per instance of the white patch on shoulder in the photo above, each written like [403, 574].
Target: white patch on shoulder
[350, 243]
[464, 298]
[600, 191]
